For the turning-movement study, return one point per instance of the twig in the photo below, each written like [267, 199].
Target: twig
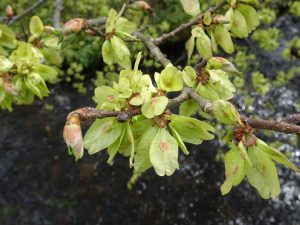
[59, 4]
[26, 12]
[164, 37]
[155, 51]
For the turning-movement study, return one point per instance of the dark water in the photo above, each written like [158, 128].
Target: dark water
[41, 185]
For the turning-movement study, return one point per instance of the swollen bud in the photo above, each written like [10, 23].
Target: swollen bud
[74, 26]
[221, 63]
[73, 135]
[142, 5]
[9, 11]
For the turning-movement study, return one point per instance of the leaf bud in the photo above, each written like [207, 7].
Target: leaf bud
[74, 26]
[73, 135]
[9, 11]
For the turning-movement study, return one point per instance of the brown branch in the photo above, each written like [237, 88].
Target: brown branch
[173, 33]
[275, 125]
[26, 11]
[89, 113]
[59, 5]
[155, 51]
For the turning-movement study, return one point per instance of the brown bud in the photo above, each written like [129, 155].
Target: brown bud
[73, 135]
[142, 5]
[74, 26]
[9, 11]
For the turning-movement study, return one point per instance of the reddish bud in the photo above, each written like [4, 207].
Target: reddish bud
[9, 11]
[73, 135]
[74, 26]
[142, 5]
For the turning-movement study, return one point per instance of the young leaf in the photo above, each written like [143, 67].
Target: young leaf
[189, 76]
[142, 158]
[107, 53]
[226, 113]
[188, 108]
[36, 26]
[101, 134]
[170, 79]
[239, 25]
[276, 155]
[155, 107]
[235, 170]
[191, 130]
[164, 153]
[179, 140]
[263, 174]
[223, 38]
[114, 147]
[131, 140]
[203, 44]
[191, 7]
[111, 19]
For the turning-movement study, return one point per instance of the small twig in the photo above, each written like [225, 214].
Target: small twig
[59, 4]
[26, 12]
[155, 51]
[173, 33]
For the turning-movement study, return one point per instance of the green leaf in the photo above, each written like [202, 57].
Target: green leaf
[155, 107]
[191, 130]
[107, 53]
[123, 25]
[235, 170]
[106, 97]
[131, 140]
[164, 153]
[203, 44]
[191, 7]
[263, 174]
[190, 45]
[142, 159]
[114, 147]
[111, 19]
[239, 25]
[250, 15]
[226, 113]
[189, 76]
[179, 140]
[170, 79]
[276, 155]
[101, 134]
[223, 38]
[188, 108]
[52, 56]
[5, 64]
[36, 25]
[48, 73]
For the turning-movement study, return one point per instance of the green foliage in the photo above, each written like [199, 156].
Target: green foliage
[267, 38]
[295, 8]
[260, 83]
[22, 74]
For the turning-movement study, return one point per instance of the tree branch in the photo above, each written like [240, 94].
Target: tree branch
[173, 33]
[26, 12]
[155, 51]
[59, 4]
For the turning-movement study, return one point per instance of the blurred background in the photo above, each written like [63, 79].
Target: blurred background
[40, 184]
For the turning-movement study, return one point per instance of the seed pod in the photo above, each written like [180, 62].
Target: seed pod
[239, 25]
[203, 44]
[73, 136]
[250, 15]
[214, 44]
[9, 11]
[221, 19]
[223, 38]
[74, 26]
